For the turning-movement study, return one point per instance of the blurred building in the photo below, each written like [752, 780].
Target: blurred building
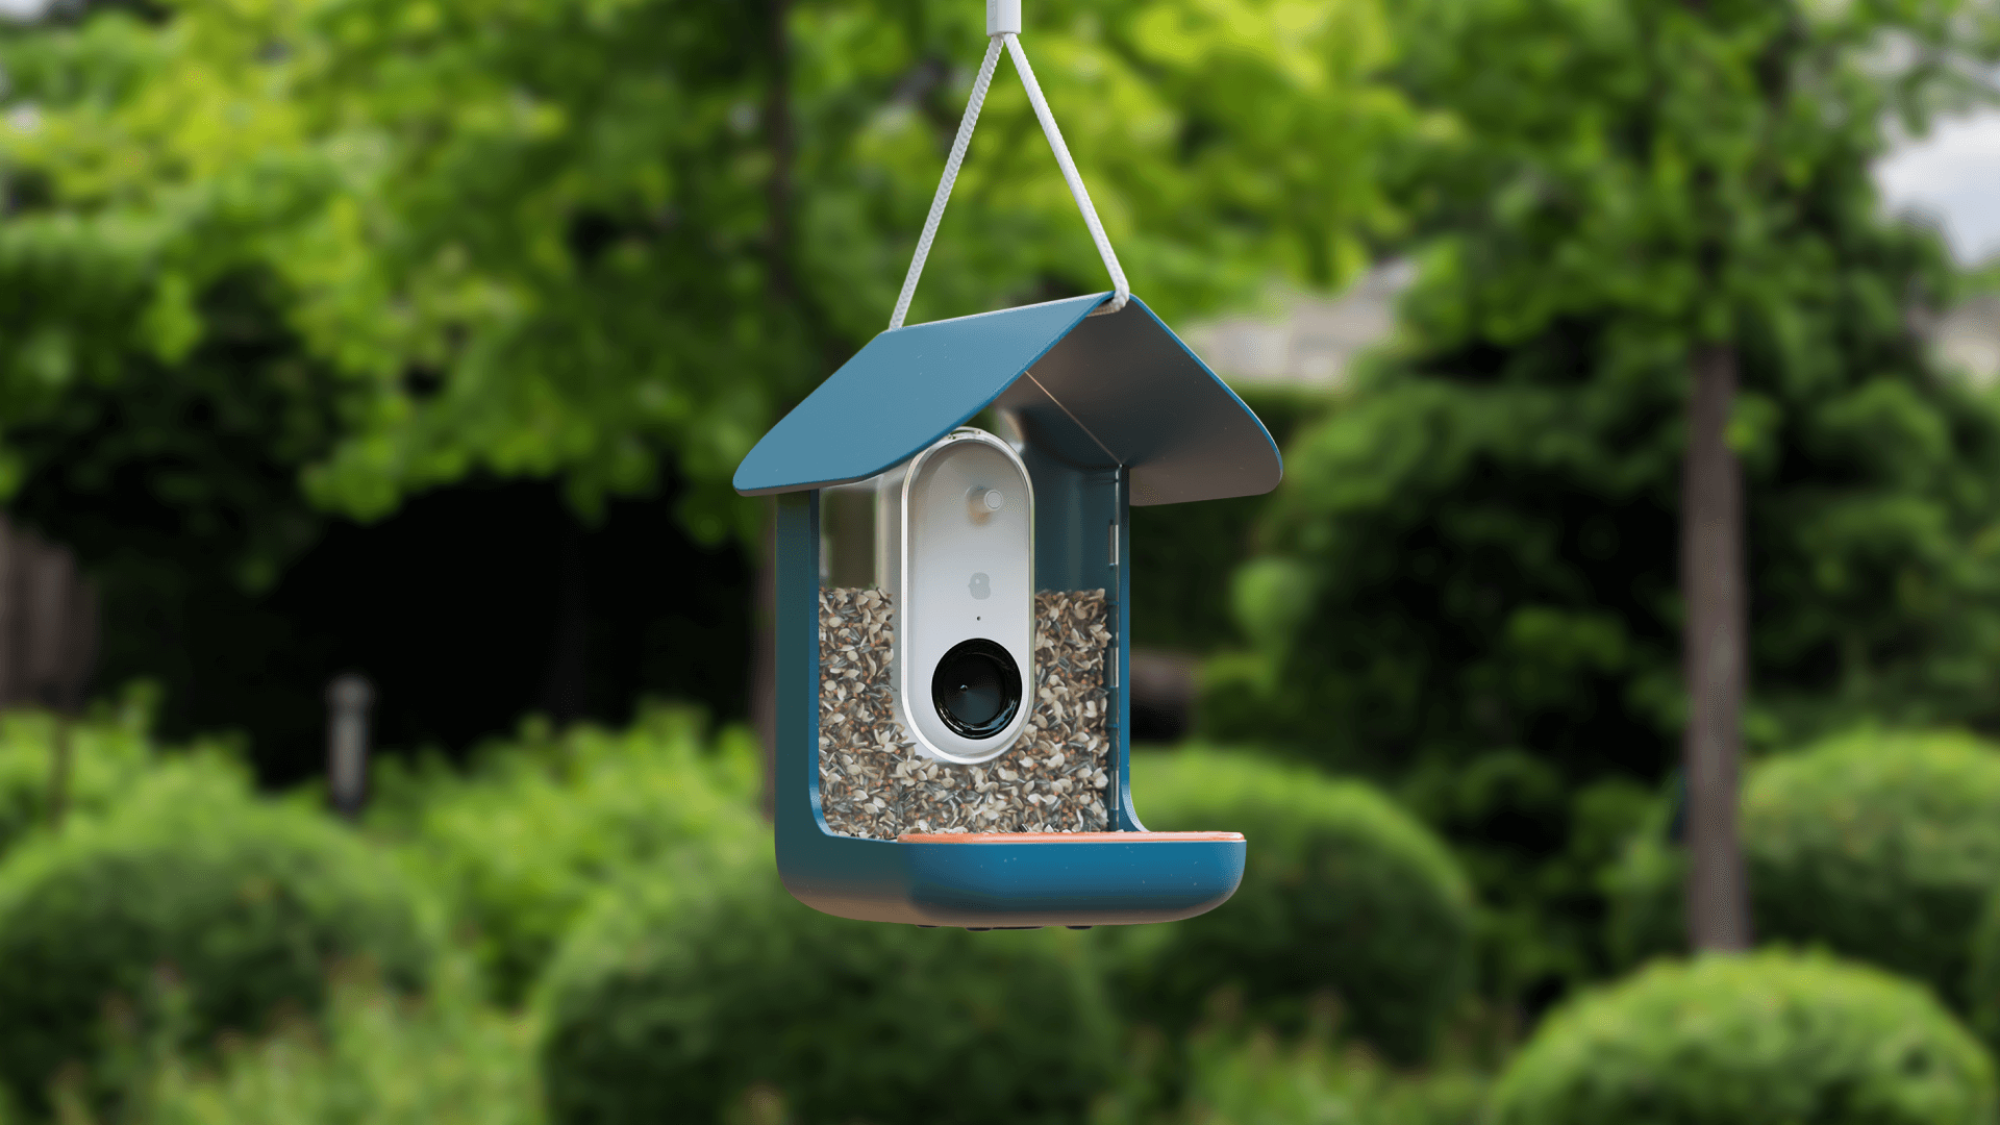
[1315, 341]
[1305, 340]
[1968, 338]
[1943, 180]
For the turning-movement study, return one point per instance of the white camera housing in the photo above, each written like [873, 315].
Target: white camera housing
[961, 567]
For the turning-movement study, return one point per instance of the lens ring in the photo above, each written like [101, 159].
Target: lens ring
[976, 689]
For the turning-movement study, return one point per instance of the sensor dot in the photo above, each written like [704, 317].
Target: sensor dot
[994, 500]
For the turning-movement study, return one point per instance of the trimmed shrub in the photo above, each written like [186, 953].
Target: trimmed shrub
[519, 848]
[190, 910]
[675, 1000]
[1226, 1075]
[1751, 1040]
[1881, 847]
[105, 760]
[1343, 893]
[376, 1059]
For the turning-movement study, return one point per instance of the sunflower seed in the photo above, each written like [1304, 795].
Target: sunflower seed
[872, 784]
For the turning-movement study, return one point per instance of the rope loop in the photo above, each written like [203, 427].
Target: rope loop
[1002, 34]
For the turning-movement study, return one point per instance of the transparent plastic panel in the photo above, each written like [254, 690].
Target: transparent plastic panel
[1057, 769]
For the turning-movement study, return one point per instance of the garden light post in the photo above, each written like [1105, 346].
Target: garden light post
[348, 699]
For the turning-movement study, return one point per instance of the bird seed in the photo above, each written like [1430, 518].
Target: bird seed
[874, 784]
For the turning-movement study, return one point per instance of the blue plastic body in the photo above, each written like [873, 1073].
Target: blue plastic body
[1063, 376]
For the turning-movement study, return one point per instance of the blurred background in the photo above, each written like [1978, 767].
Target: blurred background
[384, 657]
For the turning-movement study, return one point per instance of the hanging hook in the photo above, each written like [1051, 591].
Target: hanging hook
[1003, 17]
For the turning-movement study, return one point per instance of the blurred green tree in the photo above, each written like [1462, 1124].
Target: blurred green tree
[580, 240]
[1471, 580]
[605, 244]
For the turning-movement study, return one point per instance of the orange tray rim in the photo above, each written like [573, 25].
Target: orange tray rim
[1068, 837]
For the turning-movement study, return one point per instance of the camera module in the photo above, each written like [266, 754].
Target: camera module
[976, 689]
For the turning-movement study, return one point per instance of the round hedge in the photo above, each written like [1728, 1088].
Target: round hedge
[1343, 893]
[519, 849]
[671, 1001]
[191, 909]
[1750, 1040]
[1878, 846]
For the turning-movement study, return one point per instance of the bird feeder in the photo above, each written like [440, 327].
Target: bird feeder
[952, 604]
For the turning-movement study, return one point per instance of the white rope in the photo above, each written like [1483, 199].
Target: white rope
[957, 157]
[1122, 292]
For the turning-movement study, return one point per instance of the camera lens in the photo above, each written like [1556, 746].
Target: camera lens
[977, 689]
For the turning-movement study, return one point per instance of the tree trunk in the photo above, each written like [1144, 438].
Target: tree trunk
[1716, 651]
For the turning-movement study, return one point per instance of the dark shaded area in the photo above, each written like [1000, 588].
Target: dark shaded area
[474, 606]
[1184, 554]
[1162, 691]
[468, 609]
[1183, 560]
[177, 489]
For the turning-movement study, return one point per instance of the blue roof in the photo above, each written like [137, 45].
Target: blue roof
[1097, 391]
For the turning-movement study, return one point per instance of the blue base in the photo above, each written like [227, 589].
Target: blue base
[1005, 884]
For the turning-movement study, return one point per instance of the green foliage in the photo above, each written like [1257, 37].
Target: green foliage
[1258, 1082]
[1750, 1040]
[1482, 600]
[268, 262]
[1648, 915]
[192, 908]
[176, 485]
[1257, 1079]
[126, 267]
[594, 242]
[216, 435]
[1982, 984]
[376, 1057]
[520, 846]
[681, 997]
[1880, 846]
[107, 756]
[73, 283]
[1182, 554]
[1343, 894]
